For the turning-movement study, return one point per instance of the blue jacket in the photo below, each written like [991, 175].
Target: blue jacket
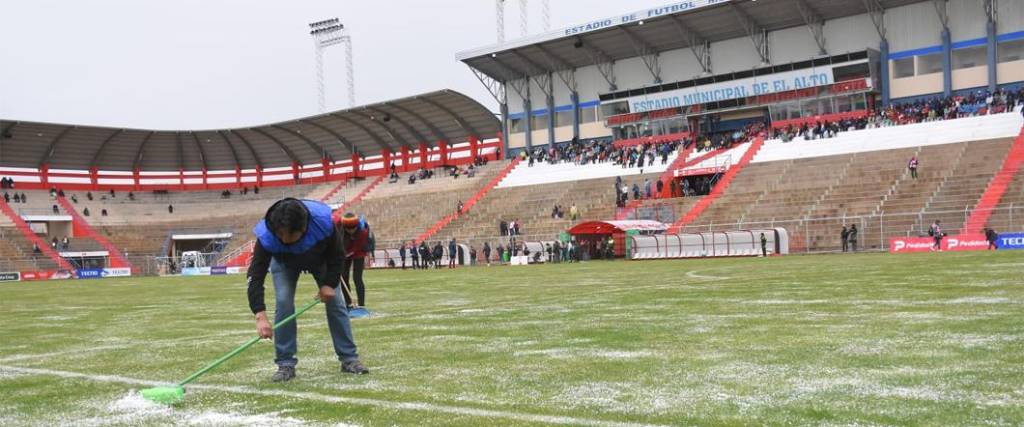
[318, 252]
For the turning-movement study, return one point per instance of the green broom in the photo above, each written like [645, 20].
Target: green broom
[174, 394]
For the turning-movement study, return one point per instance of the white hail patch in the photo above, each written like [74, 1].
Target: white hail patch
[568, 353]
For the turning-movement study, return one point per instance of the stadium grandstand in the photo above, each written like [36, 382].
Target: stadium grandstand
[703, 115]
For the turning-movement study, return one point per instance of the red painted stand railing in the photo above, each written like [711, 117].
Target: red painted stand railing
[348, 204]
[466, 206]
[720, 187]
[32, 237]
[997, 188]
[82, 227]
[335, 190]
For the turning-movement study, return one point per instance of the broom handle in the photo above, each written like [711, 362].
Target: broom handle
[245, 346]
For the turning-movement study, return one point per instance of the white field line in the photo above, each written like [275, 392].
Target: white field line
[694, 275]
[394, 405]
[533, 302]
[59, 353]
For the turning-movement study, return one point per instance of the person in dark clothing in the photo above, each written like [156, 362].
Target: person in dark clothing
[636, 192]
[487, 253]
[503, 228]
[103, 212]
[472, 255]
[844, 237]
[438, 254]
[17, 198]
[991, 237]
[88, 195]
[501, 254]
[85, 212]
[935, 231]
[170, 209]
[296, 236]
[672, 188]
[401, 254]
[23, 198]
[424, 256]
[853, 238]
[415, 254]
[357, 242]
[35, 249]
[764, 245]
[451, 254]
[56, 209]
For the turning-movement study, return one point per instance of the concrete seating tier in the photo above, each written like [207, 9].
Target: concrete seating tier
[1002, 219]
[16, 253]
[149, 207]
[978, 128]
[545, 173]
[531, 206]
[401, 211]
[814, 197]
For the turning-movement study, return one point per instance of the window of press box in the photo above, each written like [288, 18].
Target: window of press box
[929, 64]
[851, 72]
[614, 109]
[1012, 50]
[539, 122]
[563, 118]
[516, 125]
[976, 56]
[588, 115]
[903, 68]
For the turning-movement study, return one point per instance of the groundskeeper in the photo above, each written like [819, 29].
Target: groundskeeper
[357, 242]
[299, 236]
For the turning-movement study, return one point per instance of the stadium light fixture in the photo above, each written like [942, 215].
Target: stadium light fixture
[327, 33]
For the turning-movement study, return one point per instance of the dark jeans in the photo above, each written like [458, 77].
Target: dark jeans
[913, 173]
[403, 263]
[846, 245]
[356, 265]
[415, 263]
[285, 342]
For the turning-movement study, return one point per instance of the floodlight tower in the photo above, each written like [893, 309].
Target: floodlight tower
[545, 14]
[327, 33]
[524, 10]
[499, 13]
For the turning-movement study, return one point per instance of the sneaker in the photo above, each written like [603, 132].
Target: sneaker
[354, 367]
[283, 374]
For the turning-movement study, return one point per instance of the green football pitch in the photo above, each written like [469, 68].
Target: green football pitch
[867, 339]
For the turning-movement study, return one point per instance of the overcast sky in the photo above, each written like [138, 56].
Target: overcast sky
[201, 64]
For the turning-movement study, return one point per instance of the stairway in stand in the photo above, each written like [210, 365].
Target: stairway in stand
[82, 228]
[469, 203]
[32, 237]
[997, 188]
[720, 187]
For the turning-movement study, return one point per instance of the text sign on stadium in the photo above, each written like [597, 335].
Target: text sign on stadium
[700, 171]
[1010, 241]
[640, 16]
[10, 277]
[741, 88]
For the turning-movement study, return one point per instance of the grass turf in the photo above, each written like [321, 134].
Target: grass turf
[867, 339]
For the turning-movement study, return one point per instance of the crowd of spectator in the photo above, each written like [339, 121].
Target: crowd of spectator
[6, 183]
[923, 110]
[601, 151]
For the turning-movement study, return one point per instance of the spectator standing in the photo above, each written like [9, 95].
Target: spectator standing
[487, 253]
[503, 228]
[472, 255]
[764, 246]
[844, 236]
[636, 191]
[991, 237]
[438, 254]
[853, 238]
[415, 256]
[401, 254]
[912, 165]
[424, 256]
[7, 197]
[574, 212]
[501, 254]
[357, 242]
[647, 188]
[452, 248]
[170, 209]
[660, 186]
[935, 231]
